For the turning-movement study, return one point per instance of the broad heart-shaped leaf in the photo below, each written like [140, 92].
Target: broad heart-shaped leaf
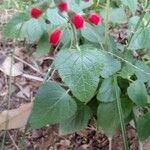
[52, 105]
[54, 17]
[111, 66]
[80, 70]
[132, 4]
[113, 15]
[77, 122]
[140, 39]
[43, 46]
[106, 92]
[14, 26]
[93, 34]
[137, 93]
[108, 117]
[144, 77]
[143, 126]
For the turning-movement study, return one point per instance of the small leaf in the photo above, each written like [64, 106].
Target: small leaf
[137, 93]
[140, 74]
[140, 39]
[78, 122]
[52, 105]
[113, 15]
[34, 30]
[143, 126]
[93, 34]
[132, 4]
[43, 46]
[80, 70]
[13, 27]
[106, 92]
[54, 17]
[111, 66]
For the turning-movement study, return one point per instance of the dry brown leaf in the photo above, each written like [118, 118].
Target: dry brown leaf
[16, 118]
[17, 68]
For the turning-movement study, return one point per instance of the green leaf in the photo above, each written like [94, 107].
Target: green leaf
[108, 117]
[54, 17]
[80, 70]
[132, 4]
[140, 39]
[77, 122]
[43, 46]
[85, 5]
[137, 93]
[74, 6]
[127, 71]
[116, 15]
[143, 126]
[111, 66]
[106, 92]
[93, 34]
[52, 105]
[13, 27]
[141, 75]
[133, 22]
[34, 30]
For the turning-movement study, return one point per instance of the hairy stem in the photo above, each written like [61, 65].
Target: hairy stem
[107, 23]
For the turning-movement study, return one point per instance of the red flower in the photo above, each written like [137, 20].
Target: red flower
[78, 21]
[94, 18]
[55, 36]
[35, 12]
[63, 6]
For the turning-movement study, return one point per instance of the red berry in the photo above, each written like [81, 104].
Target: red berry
[63, 6]
[35, 12]
[78, 21]
[55, 36]
[94, 18]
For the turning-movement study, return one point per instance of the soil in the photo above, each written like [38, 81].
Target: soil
[24, 90]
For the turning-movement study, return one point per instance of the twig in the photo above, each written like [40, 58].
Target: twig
[110, 143]
[13, 141]
[33, 77]
[32, 67]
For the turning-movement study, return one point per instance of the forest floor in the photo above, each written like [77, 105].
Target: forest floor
[24, 88]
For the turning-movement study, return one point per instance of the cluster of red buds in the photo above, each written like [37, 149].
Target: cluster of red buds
[76, 19]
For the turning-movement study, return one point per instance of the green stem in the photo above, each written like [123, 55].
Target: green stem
[137, 25]
[75, 41]
[107, 23]
[120, 111]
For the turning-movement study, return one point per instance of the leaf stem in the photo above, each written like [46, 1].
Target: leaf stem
[120, 111]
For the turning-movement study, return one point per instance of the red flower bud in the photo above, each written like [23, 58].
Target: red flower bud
[35, 12]
[55, 36]
[78, 21]
[94, 18]
[63, 6]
